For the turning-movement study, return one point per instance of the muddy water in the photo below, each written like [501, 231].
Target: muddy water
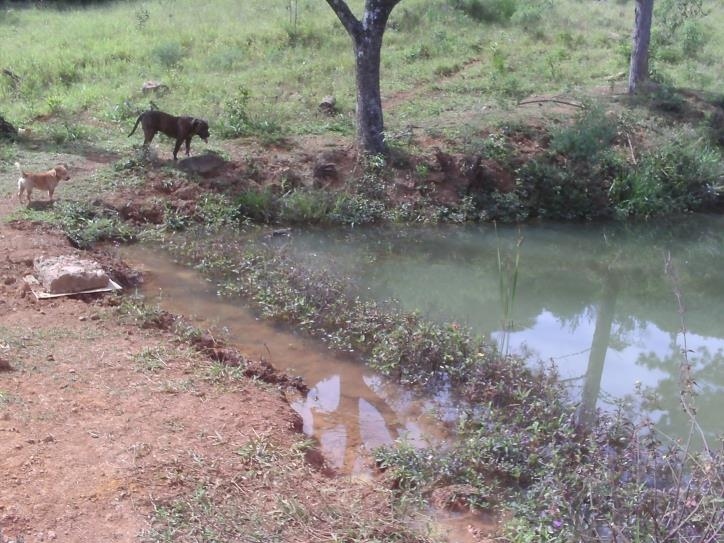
[349, 409]
[613, 307]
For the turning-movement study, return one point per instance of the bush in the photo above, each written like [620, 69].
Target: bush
[488, 11]
[675, 178]
[169, 54]
[591, 134]
[556, 192]
[240, 122]
[86, 225]
[257, 205]
[305, 206]
[356, 209]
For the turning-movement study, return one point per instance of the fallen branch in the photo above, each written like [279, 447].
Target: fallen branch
[15, 79]
[555, 101]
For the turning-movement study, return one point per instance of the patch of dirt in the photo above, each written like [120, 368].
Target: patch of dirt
[103, 422]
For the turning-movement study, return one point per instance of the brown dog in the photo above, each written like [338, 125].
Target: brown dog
[181, 128]
[42, 181]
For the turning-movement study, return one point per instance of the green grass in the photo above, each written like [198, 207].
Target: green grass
[451, 66]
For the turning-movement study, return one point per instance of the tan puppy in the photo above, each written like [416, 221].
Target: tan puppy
[42, 181]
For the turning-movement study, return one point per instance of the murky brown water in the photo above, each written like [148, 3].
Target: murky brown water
[349, 409]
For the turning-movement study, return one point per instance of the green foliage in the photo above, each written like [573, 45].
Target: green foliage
[305, 206]
[677, 177]
[356, 210]
[239, 121]
[673, 14]
[124, 110]
[571, 180]
[169, 54]
[530, 14]
[488, 11]
[257, 205]
[587, 138]
[83, 223]
[218, 211]
[67, 132]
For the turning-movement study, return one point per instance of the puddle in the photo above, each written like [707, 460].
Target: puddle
[349, 409]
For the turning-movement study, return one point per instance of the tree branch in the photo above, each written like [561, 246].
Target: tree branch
[345, 15]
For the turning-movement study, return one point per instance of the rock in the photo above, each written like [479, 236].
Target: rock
[328, 105]
[155, 87]
[202, 164]
[5, 365]
[325, 170]
[7, 130]
[65, 274]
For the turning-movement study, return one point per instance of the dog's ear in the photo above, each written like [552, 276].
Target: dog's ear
[195, 123]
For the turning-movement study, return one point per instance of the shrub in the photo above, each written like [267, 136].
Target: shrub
[217, 211]
[674, 178]
[530, 15]
[257, 205]
[240, 122]
[489, 11]
[85, 225]
[356, 209]
[305, 206]
[591, 134]
[169, 54]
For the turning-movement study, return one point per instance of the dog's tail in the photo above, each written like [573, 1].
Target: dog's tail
[136, 125]
[17, 165]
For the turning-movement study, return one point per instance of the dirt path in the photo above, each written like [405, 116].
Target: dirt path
[105, 427]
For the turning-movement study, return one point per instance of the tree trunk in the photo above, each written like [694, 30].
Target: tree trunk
[367, 41]
[370, 125]
[639, 67]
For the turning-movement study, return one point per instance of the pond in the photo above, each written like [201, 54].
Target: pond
[614, 307]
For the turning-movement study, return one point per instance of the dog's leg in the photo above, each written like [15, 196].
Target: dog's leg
[176, 148]
[21, 189]
[148, 134]
[188, 145]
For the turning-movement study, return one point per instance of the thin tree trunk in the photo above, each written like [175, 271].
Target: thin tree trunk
[639, 67]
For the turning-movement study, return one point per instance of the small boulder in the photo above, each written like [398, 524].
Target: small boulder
[202, 164]
[155, 87]
[328, 105]
[67, 274]
[7, 130]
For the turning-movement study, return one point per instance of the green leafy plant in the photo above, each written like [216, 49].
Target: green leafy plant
[673, 178]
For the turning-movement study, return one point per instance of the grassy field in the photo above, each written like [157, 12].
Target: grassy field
[446, 65]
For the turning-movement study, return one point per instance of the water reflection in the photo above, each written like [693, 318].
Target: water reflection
[594, 299]
[349, 409]
[597, 355]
